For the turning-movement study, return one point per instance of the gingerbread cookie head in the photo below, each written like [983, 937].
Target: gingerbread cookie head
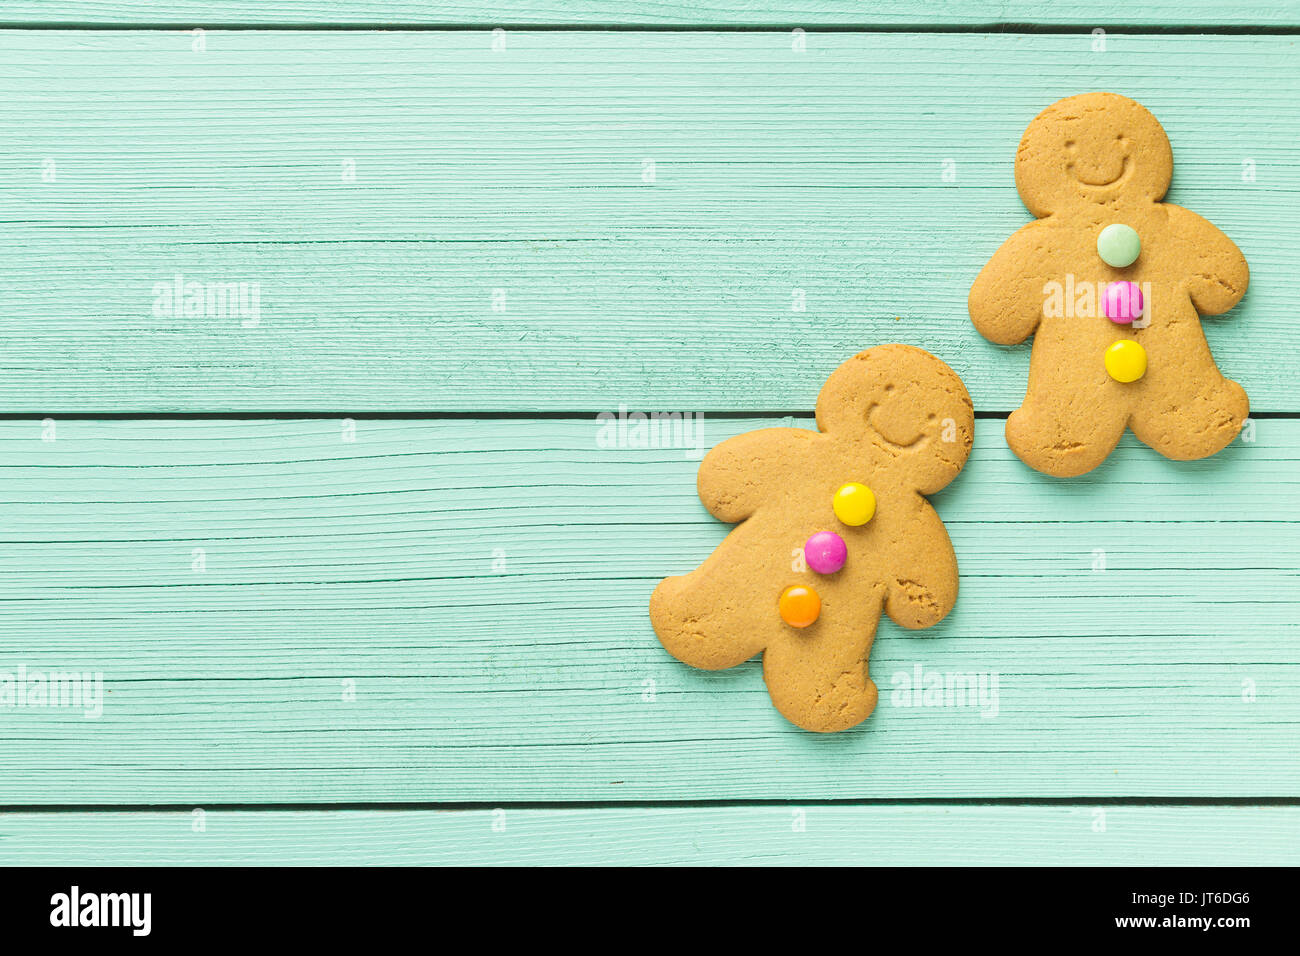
[920, 419]
[832, 528]
[1092, 148]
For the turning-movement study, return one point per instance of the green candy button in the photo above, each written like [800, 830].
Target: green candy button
[1118, 245]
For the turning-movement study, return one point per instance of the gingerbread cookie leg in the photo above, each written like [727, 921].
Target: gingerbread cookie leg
[817, 677]
[1064, 436]
[703, 632]
[1198, 425]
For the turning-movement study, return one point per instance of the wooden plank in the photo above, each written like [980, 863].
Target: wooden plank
[456, 611]
[847, 835]
[514, 181]
[659, 12]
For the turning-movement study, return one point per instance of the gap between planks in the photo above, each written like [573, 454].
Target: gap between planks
[1014, 29]
[435, 415]
[471, 806]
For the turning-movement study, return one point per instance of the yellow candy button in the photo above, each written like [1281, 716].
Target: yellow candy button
[854, 504]
[1126, 361]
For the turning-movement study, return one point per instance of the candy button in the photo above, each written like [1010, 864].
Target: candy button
[1122, 302]
[1118, 245]
[1126, 361]
[799, 606]
[825, 552]
[854, 504]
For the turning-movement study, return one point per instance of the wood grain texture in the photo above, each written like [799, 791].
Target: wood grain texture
[879, 835]
[522, 171]
[480, 588]
[651, 12]
[455, 610]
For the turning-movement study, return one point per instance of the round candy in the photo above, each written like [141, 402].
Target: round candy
[854, 504]
[799, 605]
[1126, 361]
[825, 552]
[1122, 302]
[1118, 245]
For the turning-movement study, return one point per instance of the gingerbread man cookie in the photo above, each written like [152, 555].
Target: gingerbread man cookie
[833, 527]
[1111, 282]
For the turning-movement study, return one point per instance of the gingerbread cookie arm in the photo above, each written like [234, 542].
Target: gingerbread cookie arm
[740, 473]
[1217, 271]
[922, 587]
[1006, 299]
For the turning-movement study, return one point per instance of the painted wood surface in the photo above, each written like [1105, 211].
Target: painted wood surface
[456, 611]
[875, 13]
[882, 835]
[431, 225]
[448, 613]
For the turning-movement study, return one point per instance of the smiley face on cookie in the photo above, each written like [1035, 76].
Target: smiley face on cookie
[833, 528]
[1092, 149]
[1111, 282]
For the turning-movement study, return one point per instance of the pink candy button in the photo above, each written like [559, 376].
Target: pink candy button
[1122, 302]
[825, 552]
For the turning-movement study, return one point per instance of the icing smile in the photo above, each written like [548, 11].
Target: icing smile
[1123, 172]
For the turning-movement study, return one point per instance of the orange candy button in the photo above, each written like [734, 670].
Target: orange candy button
[799, 605]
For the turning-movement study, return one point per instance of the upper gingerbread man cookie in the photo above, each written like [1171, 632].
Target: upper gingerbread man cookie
[833, 527]
[1111, 282]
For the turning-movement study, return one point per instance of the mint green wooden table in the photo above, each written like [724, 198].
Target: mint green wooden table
[362, 580]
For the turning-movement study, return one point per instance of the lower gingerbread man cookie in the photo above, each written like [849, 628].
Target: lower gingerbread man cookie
[1111, 282]
[833, 527]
